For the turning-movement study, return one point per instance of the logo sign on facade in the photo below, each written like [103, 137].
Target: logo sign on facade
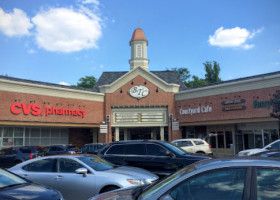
[231, 108]
[139, 91]
[262, 104]
[236, 101]
[36, 110]
[200, 109]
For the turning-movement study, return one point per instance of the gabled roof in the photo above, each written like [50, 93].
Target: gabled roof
[169, 77]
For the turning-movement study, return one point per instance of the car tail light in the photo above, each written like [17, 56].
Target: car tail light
[31, 155]
[210, 146]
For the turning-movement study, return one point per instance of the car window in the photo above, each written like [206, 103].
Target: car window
[135, 149]
[186, 144]
[225, 183]
[198, 142]
[268, 184]
[68, 165]
[44, 165]
[155, 150]
[26, 150]
[116, 149]
[96, 163]
[276, 145]
[7, 179]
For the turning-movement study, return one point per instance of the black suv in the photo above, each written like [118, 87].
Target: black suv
[92, 148]
[60, 149]
[14, 155]
[161, 158]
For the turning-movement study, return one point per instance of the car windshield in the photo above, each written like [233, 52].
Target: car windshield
[174, 148]
[152, 189]
[7, 179]
[96, 163]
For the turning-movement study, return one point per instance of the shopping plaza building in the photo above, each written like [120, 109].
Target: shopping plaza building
[140, 104]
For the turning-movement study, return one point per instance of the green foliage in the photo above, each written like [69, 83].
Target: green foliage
[183, 73]
[86, 82]
[196, 82]
[212, 72]
[276, 105]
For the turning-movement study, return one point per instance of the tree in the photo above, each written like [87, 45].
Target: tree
[212, 72]
[183, 73]
[276, 105]
[196, 82]
[86, 82]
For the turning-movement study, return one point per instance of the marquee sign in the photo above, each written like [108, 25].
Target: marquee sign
[139, 91]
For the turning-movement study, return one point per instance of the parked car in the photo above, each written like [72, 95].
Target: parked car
[13, 187]
[81, 176]
[60, 149]
[273, 153]
[272, 146]
[92, 148]
[226, 178]
[194, 145]
[14, 155]
[159, 157]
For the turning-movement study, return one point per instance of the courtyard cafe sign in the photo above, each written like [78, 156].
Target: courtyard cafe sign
[36, 110]
[192, 111]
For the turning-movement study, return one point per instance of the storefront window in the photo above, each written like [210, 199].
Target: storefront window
[229, 141]
[220, 135]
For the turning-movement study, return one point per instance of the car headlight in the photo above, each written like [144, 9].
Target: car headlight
[137, 181]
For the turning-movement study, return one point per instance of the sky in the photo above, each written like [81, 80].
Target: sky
[60, 41]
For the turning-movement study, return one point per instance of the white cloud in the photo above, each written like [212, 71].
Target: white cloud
[67, 30]
[31, 51]
[235, 37]
[14, 24]
[101, 66]
[95, 2]
[63, 83]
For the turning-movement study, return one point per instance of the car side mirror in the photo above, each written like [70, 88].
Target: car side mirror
[168, 153]
[82, 170]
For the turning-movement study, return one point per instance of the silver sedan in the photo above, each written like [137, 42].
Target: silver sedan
[81, 176]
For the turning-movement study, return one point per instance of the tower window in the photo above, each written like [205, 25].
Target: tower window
[138, 51]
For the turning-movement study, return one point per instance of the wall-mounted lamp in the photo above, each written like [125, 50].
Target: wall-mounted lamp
[59, 104]
[70, 104]
[81, 106]
[157, 90]
[33, 101]
[121, 91]
[145, 82]
[132, 83]
[47, 103]
[17, 100]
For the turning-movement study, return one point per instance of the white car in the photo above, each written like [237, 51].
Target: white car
[193, 145]
[272, 146]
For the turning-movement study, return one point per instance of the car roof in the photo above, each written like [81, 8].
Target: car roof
[188, 139]
[237, 162]
[137, 141]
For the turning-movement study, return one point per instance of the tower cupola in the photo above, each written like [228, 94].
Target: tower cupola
[138, 45]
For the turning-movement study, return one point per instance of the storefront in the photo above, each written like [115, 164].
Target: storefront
[140, 104]
[231, 116]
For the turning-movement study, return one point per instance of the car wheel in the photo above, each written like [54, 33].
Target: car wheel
[109, 188]
[200, 152]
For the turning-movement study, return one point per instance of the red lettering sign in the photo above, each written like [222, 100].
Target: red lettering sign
[35, 109]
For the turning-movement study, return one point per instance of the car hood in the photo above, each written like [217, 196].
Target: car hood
[29, 191]
[250, 152]
[135, 172]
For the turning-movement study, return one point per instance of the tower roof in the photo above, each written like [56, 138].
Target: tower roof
[138, 34]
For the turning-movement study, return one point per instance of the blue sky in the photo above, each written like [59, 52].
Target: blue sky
[60, 41]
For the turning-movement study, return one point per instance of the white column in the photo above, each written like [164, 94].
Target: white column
[117, 133]
[162, 133]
